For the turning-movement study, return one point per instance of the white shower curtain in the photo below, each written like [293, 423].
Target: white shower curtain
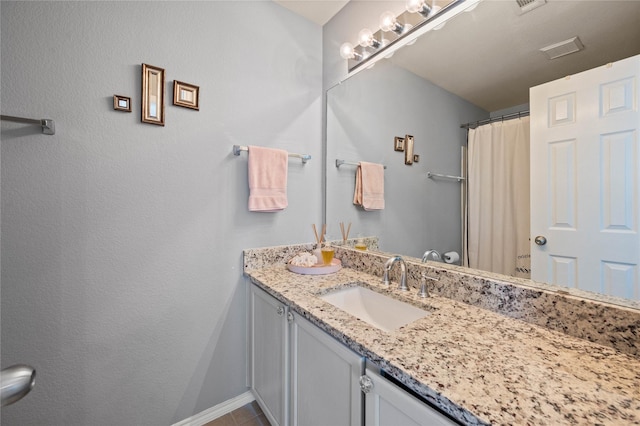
[497, 234]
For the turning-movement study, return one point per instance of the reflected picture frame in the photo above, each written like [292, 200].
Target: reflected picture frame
[398, 144]
[122, 103]
[153, 95]
[186, 95]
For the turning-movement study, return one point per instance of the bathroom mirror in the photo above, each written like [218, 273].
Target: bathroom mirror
[475, 67]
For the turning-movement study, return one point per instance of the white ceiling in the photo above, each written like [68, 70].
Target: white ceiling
[490, 56]
[318, 11]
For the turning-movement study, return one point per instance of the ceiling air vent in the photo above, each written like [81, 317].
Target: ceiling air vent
[528, 5]
[563, 48]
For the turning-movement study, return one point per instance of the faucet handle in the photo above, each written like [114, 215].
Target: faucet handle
[426, 277]
[423, 292]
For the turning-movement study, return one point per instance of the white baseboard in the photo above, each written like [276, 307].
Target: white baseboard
[219, 410]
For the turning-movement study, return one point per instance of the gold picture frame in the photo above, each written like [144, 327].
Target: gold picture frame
[186, 95]
[122, 103]
[152, 95]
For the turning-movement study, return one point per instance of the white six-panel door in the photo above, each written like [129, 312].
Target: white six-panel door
[584, 180]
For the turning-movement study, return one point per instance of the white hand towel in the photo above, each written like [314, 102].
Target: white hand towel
[267, 179]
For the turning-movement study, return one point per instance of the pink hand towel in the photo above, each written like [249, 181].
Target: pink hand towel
[369, 192]
[267, 179]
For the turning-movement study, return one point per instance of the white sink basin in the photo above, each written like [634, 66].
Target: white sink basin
[381, 311]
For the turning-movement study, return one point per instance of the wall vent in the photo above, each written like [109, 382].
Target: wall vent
[528, 5]
[563, 48]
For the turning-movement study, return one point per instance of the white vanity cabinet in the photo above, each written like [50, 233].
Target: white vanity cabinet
[388, 405]
[269, 355]
[324, 378]
[299, 374]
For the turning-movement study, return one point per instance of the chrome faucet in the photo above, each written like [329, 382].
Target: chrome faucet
[403, 272]
[431, 255]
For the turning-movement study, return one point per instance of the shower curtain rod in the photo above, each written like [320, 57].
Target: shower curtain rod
[475, 124]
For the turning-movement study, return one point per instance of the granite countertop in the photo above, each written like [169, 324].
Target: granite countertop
[479, 366]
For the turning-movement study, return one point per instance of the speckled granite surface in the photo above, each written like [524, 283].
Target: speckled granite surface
[598, 318]
[478, 363]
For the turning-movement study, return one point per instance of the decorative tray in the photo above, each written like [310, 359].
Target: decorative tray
[319, 269]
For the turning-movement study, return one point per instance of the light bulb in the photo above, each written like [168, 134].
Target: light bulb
[413, 6]
[347, 52]
[365, 38]
[418, 6]
[388, 21]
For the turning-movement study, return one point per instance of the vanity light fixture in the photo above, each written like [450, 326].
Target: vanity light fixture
[419, 6]
[348, 52]
[388, 22]
[395, 32]
[366, 39]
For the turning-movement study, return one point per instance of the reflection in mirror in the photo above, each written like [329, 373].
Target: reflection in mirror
[364, 115]
[476, 67]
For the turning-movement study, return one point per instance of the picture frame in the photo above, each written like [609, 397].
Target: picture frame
[408, 150]
[122, 103]
[416, 158]
[398, 144]
[153, 95]
[186, 95]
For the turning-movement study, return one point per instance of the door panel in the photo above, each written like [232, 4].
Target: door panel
[584, 180]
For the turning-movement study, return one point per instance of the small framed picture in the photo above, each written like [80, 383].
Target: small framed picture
[121, 103]
[186, 95]
[152, 95]
[398, 144]
[416, 158]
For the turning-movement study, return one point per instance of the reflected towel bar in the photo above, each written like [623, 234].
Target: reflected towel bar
[432, 175]
[349, 163]
[48, 125]
[304, 157]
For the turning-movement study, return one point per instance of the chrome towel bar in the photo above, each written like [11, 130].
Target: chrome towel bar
[48, 125]
[349, 163]
[304, 157]
[432, 175]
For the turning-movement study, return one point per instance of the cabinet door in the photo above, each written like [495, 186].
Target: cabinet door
[388, 405]
[269, 357]
[325, 375]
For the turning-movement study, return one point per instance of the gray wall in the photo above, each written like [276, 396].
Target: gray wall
[121, 241]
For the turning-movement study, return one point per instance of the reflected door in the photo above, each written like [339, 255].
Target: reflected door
[584, 180]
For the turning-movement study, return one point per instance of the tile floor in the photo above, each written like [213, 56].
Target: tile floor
[247, 415]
